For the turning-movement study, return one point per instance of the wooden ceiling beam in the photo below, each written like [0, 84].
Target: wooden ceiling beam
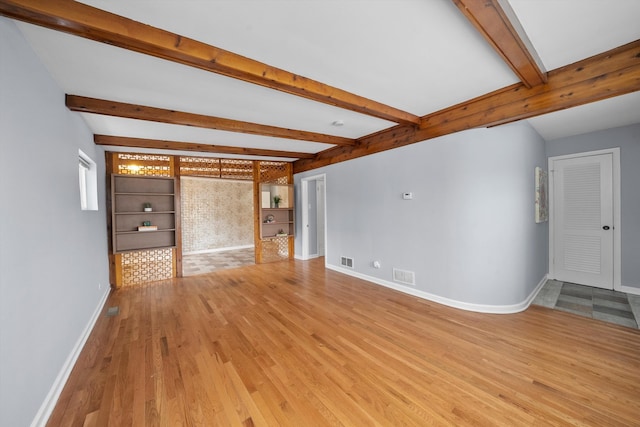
[568, 86]
[612, 73]
[121, 141]
[95, 24]
[140, 112]
[498, 24]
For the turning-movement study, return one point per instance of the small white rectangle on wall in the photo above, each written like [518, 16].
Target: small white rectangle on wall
[404, 276]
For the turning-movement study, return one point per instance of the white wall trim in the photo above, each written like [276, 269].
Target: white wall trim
[209, 251]
[43, 414]
[304, 205]
[536, 290]
[307, 258]
[629, 290]
[480, 308]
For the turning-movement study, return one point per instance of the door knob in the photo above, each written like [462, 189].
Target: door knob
[606, 227]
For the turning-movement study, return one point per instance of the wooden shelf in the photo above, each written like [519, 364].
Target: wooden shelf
[146, 232]
[143, 194]
[145, 213]
[146, 248]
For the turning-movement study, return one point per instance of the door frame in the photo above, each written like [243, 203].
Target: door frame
[617, 244]
[304, 188]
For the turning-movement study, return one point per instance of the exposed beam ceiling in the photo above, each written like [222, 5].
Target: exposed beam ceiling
[85, 21]
[498, 24]
[121, 141]
[140, 112]
[603, 76]
[612, 73]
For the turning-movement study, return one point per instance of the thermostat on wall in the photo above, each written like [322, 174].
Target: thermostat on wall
[407, 196]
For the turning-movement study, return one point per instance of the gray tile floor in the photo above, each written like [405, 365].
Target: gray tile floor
[609, 306]
[209, 262]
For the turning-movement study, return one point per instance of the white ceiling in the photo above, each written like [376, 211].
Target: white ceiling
[566, 31]
[416, 55]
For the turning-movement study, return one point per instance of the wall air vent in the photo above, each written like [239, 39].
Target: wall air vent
[346, 262]
[404, 276]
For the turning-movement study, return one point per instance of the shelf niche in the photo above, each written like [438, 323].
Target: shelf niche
[275, 219]
[129, 196]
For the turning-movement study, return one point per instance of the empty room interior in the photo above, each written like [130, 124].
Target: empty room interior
[320, 212]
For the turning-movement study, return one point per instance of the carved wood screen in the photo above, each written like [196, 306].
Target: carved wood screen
[138, 267]
[216, 168]
[274, 248]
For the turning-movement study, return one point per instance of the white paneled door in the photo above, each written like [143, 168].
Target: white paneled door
[313, 216]
[582, 220]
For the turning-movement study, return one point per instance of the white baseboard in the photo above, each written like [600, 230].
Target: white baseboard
[50, 401]
[480, 308]
[210, 251]
[301, 258]
[535, 291]
[629, 290]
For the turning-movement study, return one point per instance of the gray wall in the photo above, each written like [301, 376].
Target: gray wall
[628, 139]
[469, 234]
[53, 256]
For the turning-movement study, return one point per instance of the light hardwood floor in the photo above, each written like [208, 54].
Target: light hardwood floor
[295, 345]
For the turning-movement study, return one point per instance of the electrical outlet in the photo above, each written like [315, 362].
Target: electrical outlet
[376, 264]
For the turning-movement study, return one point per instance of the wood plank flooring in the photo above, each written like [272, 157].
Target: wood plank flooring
[293, 344]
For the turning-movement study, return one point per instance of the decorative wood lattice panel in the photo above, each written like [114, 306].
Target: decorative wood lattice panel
[143, 164]
[236, 169]
[275, 172]
[217, 168]
[146, 266]
[200, 166]
[275, 249]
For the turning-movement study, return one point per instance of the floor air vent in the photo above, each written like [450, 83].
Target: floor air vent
[113, 311]
[346, 262]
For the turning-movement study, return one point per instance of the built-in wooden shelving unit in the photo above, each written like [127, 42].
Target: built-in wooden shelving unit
[129, 196]
[276, 221]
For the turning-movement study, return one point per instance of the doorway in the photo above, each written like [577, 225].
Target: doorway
[217, 224]
[584, 220]
[313, 216]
